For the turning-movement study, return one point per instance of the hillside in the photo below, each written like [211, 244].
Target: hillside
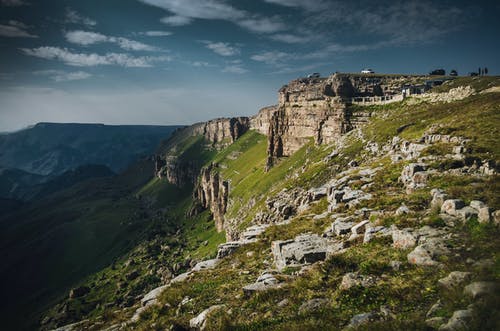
[345, 206]
[53, 148]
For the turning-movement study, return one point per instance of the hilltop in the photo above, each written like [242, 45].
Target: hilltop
[347, 205]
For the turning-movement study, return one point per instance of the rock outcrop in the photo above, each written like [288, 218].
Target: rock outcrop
[318, 108]
[212, 192]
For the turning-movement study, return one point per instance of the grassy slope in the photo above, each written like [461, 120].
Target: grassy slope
[49, 245]
[409, 291]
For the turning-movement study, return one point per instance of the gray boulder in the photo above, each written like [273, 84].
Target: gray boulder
[451, 206]
[352, 279]
[455, 279]
[304, 249]
[403, 239]
[200, 322]
[313, 305]
[478, 290]
[459, 321]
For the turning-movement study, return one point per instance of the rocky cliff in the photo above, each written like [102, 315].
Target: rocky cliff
[212, 192]
[318, 108]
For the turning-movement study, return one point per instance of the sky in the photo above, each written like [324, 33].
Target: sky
[167, 62]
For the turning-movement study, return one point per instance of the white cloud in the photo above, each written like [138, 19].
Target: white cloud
[64, 76]
[309, 5]
[86, 38]
[184, 12]
[271, 57]
[15, 29]
[157, 33]
[13, 3]
[221, 48]
[262, 24]
[92, 59]
[75, 18]
[290, 38]
[176, 20]
[234, 69]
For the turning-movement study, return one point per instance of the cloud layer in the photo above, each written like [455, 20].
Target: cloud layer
[86, 38]
[92, 59]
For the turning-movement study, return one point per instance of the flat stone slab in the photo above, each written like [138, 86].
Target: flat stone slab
[304, 249]
[206, 265]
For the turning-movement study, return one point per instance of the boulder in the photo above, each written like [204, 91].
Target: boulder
[355, 279]
[313, 305]
[410, 170]
[480, 289]
[266, 281]
[206, 265]
[403, 239]
[459, 321]
[496, 217]
[227, 248]
[362, 319]
[477, 205]
[467, 213]
[435, 322]
[342, 225]
[426, 253]
[451, 206]
[375, 231]
[200, 322]
[152, 296]
[304, 249]
[484, 214]
[402, 210]
[455, 279]
[438, 198]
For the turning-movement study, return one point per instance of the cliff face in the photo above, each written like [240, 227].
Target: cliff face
[318, 108]
[223, 131]
[212, 192]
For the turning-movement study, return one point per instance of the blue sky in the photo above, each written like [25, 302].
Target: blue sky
[183, 61]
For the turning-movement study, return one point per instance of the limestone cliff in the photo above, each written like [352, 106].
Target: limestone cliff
[212, 192]
[223, 131]
[318, 108]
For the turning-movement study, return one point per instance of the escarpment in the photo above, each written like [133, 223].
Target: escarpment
[224, 131]
[319, 108]
[212, 192]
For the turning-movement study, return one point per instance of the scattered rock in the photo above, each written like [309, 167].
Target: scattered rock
[403, 239]
[438, 198]
[206, 265]
[402, 210]
[227, 249]
[361, 319]
[480, 289]
[467, 213]
[434, 309]
[199, 322]
[426, 253]
[451, 206]
[342, 225]
[313, 305]
[435, 322]
[304, 249]
[355, 279]
[265, 282]
[459, 321]
[152, 296]
[455, 279]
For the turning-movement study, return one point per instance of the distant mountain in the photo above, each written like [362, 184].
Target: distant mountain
[18, 184]
[53, 148]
